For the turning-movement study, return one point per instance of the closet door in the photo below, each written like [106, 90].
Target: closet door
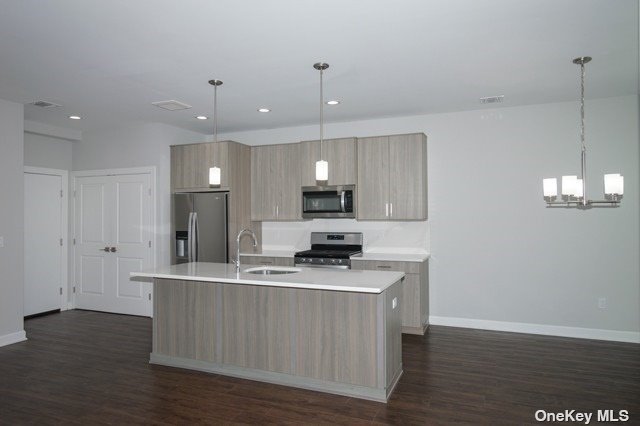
[113, 235]
[43, 243]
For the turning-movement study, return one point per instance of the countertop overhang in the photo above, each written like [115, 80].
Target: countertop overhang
[307, 278]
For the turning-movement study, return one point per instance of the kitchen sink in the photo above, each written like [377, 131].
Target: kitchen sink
[272, 270]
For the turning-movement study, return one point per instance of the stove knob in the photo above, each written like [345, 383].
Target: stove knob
[333, 261]
[321, 260]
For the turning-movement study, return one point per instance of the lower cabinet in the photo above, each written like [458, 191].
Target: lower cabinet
[415, 290]
[266, 260]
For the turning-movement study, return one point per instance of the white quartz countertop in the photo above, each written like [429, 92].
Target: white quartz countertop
[272, 253]
[309, 278]
[391, 257]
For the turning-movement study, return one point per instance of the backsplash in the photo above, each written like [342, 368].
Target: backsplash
[397, 237]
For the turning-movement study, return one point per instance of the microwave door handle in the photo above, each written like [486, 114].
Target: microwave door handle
[343, 207]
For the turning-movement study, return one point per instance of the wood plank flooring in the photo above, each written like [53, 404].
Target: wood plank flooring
[81, 367]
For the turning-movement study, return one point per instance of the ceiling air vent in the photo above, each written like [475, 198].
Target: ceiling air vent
[171, 105]
[45, 104]
[492, 99]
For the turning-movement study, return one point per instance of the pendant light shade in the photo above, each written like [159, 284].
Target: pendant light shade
[614, 184]
[550, 187]
[214, 176]
[215, 172]
[322, 166]
[322, 170]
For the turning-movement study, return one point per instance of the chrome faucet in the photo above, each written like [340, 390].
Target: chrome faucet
[240, 234]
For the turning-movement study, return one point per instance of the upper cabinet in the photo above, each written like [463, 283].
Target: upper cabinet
[190, 165]
[339, 153]
[392, 177]
[275, 183]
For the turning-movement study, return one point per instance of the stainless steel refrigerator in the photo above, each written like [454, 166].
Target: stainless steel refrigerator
[199, 227]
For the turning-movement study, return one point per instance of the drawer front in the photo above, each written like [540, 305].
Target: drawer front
[383, 265]
[266, 260]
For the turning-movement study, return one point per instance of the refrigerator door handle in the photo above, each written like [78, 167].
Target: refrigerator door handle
[196, 238]
[189, 237]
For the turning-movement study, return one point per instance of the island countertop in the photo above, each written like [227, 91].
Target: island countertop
[308, 278]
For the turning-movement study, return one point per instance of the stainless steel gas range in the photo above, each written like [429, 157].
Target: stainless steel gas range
[330, 250]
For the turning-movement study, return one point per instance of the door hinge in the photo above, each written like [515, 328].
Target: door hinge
[74, 288]
[149, 296]
[60, 291]
[61, 242]
[149, 192]
[149, 243]
[74, 241]
[61, 193]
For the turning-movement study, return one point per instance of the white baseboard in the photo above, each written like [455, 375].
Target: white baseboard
[547, 330]
[8, 339]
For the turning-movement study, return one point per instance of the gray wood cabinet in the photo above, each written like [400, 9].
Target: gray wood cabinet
[275, 183]
[190, 173]
[392, 177]
[266, 260]
[190, 165]
[415, 290]
[341, 155]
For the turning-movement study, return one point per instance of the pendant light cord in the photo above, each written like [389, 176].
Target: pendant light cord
[215, 113]
[321, 114]
[582, 107]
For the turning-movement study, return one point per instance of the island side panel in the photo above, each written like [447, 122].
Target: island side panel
[184, 322]
[393, 332]
[336, 337]
[256, 327]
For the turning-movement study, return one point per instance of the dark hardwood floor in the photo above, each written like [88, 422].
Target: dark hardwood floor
[81, 367]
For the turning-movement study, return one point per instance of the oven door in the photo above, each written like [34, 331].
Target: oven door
[328, 201]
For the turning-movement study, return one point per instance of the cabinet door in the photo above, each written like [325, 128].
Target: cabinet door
[339, 153]
[408, 165]
[411, 301]
[373, 178]
[263, 185]
[190, 165]
[287, 181]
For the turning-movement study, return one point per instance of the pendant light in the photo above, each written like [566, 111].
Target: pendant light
[322, 166]
[574, 188]
[214, 172]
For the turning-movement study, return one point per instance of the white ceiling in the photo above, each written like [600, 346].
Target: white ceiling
[108, 60]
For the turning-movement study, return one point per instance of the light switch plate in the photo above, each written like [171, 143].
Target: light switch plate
[394, 303]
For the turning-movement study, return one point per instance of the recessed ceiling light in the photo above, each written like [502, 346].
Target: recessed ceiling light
[202, 117]
[75, 117]
[264, 110]
[333, 102]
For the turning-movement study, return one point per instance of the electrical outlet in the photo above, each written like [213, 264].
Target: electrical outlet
[1, 242]
[602, 303]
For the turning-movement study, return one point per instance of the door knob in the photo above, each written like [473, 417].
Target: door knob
[113, 250]
[105, 249]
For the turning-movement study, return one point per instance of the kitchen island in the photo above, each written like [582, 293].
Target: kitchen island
[336, 331]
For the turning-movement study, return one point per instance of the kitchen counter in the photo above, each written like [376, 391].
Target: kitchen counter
[391, 257]
[325, 330]
[308, 278]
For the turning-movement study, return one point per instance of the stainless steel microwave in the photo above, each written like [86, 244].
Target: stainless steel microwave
[328, 201]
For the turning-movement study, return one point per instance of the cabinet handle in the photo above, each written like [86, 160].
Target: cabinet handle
[277, 211]
[113, 249]
[267, 263]
[384, 266]
[391, 209]
[386, 209]
[106, 249]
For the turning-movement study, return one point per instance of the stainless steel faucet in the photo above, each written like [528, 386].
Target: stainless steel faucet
[240, 234]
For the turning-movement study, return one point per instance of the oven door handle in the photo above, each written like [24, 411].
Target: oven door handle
[343, 207]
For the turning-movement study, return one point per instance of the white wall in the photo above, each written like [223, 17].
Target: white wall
[47, 151]
[137, 145]
[497, 253]
[11, 222]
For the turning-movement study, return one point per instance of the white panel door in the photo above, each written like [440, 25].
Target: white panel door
[113, 231]
[42, 243]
